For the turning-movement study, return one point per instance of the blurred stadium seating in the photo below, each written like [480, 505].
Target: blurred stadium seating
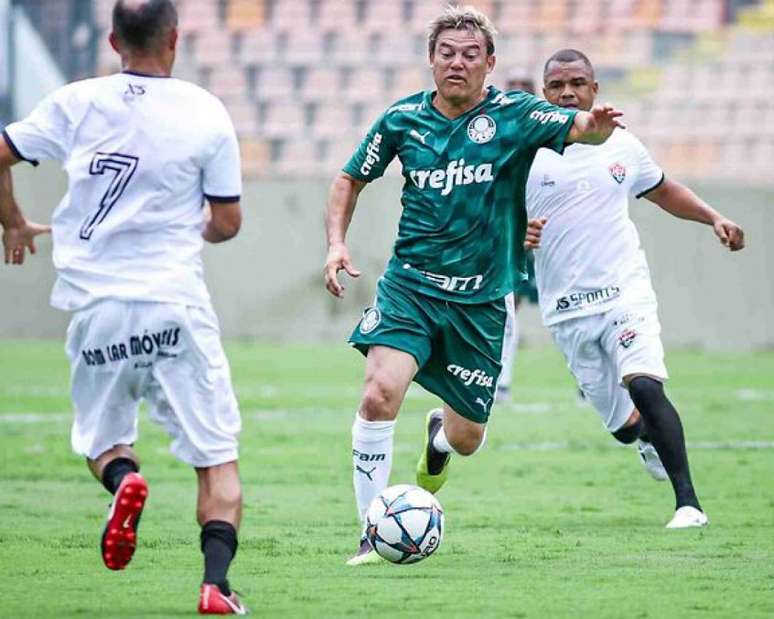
[303, 79]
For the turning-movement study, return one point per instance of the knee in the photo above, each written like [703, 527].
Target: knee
[644, 389]
[468, 443]
[380, 400]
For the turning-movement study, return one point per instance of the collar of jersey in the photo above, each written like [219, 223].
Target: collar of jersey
[138, 74]
[491, 92]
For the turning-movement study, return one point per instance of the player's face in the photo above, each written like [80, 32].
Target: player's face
[460, 65]
[570, 85]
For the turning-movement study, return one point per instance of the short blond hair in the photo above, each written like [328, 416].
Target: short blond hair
[461, 17]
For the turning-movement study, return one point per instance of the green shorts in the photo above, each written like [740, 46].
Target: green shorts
[457, 346]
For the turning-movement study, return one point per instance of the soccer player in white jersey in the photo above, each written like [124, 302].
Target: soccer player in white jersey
[518, 79]
[142, 151]
[593, 281]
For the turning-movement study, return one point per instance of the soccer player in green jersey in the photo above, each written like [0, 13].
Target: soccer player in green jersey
[439, 313]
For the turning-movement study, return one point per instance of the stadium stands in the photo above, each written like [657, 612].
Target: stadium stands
[304, 79]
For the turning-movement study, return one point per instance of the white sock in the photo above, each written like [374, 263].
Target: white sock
[371, 459]
[442, 444]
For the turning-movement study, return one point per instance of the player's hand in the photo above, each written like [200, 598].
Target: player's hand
[534, 233]
[729, 233]
[338, 259]
[18, 239]
[600, 123]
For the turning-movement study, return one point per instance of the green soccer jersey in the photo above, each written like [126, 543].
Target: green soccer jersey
[461, 232]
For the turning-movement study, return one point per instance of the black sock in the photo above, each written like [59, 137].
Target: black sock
[219, 545]
[114, 473]
[665, 433]
[629, 434]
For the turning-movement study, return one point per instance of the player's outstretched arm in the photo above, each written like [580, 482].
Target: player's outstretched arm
[681, 202]
[342, 199]
[18, 233]
[596, 125]
[223, 222]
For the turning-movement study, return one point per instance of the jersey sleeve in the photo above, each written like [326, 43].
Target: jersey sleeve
[544, 124]
[374, 154]
[222, 175]
[649, 174]
[44, 134]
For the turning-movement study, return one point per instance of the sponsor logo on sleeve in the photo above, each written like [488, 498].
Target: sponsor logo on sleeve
[549, 117]
[618, 172]
[482, 129]
[372, 154]
[406, 107]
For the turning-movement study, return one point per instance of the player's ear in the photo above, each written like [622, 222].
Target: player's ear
[490, 63]
[595, 87]
[173, 36]
[114, 42]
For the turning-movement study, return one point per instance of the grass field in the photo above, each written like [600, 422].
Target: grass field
[551, 520]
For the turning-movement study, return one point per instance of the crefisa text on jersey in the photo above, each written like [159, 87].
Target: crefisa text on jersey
[144, 344]
[457, 173]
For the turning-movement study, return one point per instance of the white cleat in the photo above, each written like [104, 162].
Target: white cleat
[651, 461]
[366, 555]
[687, 517]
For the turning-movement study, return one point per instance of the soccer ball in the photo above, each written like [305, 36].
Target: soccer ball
[404, 524]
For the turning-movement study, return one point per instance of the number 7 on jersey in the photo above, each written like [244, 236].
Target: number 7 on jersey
[122, 167]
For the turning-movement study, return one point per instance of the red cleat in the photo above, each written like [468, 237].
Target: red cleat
[119, 539]
[213, 602]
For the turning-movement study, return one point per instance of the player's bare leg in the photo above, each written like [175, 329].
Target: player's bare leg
[118, 470]
[665, 431]
[447, 432]
[219, 512]
[388, 375]
[510, 348]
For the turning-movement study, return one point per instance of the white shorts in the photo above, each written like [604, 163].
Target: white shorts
[170, 355]
[602, 349]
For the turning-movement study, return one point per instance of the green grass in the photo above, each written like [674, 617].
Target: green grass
[551, 520]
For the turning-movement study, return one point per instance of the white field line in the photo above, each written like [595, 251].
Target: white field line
[550, 397]
[273, 415]
[755, 395]
[33, 418]
[710, 445]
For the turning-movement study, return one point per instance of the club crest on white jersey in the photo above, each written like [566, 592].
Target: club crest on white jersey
[618, 172]
[482, 129]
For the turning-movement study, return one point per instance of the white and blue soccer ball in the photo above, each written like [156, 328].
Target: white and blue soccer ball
[404, 524]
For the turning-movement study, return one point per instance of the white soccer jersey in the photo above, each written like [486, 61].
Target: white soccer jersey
[590, 255]
[140, 153]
